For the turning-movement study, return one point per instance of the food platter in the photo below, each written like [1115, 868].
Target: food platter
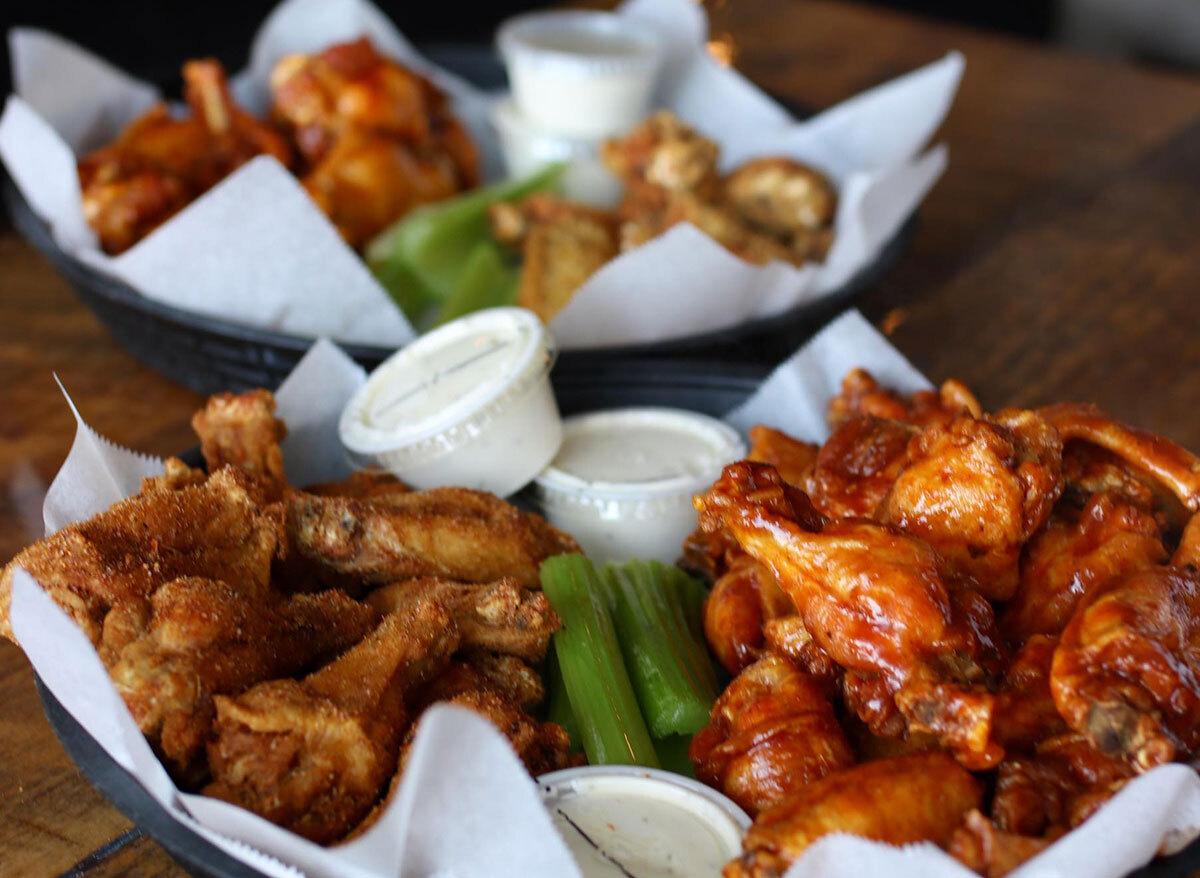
[207, 353]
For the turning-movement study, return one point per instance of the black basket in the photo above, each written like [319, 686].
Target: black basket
[209, 354]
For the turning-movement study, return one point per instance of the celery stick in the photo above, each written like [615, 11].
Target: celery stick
[602, 698]
[661, 587]
[435, 240]
[486, 282]
[656, 643]
[689, 604]
[673, 754]
[406, 290]
[557, 708]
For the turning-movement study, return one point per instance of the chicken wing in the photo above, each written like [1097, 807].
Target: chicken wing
[782, 197]
[876, 600]
[861, 394]
[176, 475]
[771, 732]
[857, 465]
[740, 603]
[159, 163]
[314, 755]
[918, 797]
[240, 429]
[214, 529]
[1074, 554]
[364, 484]
[204, 638]
[455, 533]
[500, 617]
[992, 852]
[1126, 673]
[1025, 712]
[794, 459]
[976, 490]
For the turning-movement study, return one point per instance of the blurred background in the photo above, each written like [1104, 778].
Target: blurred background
[151, 39]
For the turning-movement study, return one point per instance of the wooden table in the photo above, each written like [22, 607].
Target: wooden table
[1055, 260]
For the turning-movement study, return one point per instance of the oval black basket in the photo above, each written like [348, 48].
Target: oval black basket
[209, 354]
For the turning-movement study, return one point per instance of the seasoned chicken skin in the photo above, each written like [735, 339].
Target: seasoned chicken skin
[202, 638]
[455, 533]
[241, 430]
[314, 755]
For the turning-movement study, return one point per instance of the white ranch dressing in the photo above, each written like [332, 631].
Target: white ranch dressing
[622, 481]
[468, 404]
[620, 821]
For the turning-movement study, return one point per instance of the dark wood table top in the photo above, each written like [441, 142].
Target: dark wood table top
[1055, 260]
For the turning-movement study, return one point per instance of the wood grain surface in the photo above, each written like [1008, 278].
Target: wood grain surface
[1055, 260]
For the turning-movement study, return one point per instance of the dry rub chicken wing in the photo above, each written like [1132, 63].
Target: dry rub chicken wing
[876, 600]
[314, 755]
[918, 797]
[201, 638]
[771, 732]
[454, 533]
[240, 429]
[214, 529]
[501, 617]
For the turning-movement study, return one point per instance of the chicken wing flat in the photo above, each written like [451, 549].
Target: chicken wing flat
[176, 475]
[876, 600]
[214, 529]
[241, 430]
[741, 602]
[919, 797]
[794, 459]
[976, 490]
[861, 394]
[314, 755]
[1077, 552]
[771, 732]
[1126, 673]
[454, 533]
[204, 638]
[784, 198]
[501, 617]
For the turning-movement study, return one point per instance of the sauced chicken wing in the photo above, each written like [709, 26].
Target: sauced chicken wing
[313, 756]
[976, 490]
[506, 675]
[1075, 553]
[918, 797]
[992, 852]
[376, 138]
[794, 459]
[857, 465]
[201, 638]
[740, 603]
[214, 530]
[875, 600]
[1025, 711]
[501, 617]
[1127, 670]
[861, 394]
[160, 163]
[454, 533]
[240, 429]
[771, 732]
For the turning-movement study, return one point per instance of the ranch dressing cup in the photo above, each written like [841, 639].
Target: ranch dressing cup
[623, 480]
[468, 404]
[619, 821]
[577, 73]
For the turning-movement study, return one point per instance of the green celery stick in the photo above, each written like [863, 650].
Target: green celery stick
[673, 754]
[601, 695]
[434, 241]
[655, 639]
[689, 602]
[660, 587]
[406, 290]
[558, 703]
[486, 282]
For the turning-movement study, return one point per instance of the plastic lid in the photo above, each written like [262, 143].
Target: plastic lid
[448, 385]
[580, 41]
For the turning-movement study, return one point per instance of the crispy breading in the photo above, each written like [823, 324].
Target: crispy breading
[215, 529]
[454, 533]
[501, 616]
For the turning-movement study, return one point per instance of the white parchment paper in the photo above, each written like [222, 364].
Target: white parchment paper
[466, 806]
[257, 251]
